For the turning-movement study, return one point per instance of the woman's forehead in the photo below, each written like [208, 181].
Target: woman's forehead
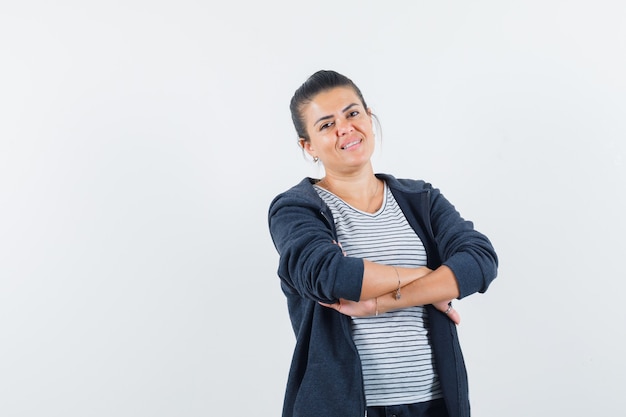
[333, 100]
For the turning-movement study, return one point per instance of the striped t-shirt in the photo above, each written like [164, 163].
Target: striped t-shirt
[394, 347]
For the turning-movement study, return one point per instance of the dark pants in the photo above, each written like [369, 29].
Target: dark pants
[434, 408]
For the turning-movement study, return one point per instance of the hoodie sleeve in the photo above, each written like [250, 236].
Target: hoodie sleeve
[466, 251]
[310, 263]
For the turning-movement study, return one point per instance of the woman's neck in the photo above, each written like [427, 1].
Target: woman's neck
[363, 191]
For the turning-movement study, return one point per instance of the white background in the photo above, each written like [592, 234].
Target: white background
[142, 142]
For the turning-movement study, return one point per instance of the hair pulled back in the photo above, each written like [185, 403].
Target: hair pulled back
[319, 82]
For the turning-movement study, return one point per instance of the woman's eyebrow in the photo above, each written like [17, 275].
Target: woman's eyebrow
[345, 109]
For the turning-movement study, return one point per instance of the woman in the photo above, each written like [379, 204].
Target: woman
[369, 265]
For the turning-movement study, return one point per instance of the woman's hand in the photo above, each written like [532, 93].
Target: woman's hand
[354, 308]
[446, 307]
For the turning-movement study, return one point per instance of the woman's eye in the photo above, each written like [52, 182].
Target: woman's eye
[353, 113]
[326, 125]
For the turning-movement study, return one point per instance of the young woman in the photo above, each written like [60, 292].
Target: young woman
[369, 265]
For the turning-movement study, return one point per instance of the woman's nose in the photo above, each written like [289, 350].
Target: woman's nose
[344, 126]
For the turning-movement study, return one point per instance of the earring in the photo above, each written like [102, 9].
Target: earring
[315, 159]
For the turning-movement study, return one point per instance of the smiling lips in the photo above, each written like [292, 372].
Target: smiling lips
[351, 144]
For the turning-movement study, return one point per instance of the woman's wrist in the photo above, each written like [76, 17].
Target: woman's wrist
[386, 303]
[408, 275]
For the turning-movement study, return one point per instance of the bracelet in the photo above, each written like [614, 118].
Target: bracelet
[376, 300]
[398, 295]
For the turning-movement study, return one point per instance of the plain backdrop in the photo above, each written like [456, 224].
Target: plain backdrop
[142, 142]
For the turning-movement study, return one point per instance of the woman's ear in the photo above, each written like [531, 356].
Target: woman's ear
[306, 145]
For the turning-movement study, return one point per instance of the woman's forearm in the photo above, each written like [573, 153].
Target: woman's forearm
[379, 279]
[436, 286]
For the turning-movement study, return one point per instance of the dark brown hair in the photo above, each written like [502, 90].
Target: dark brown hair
[321, 81]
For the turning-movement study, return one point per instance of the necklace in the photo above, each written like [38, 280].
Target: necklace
[369, 201]
[372, 197]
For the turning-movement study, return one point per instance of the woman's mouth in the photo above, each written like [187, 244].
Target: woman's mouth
[351, 144]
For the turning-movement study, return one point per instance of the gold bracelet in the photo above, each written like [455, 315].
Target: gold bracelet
[398, 295]
[376, 306]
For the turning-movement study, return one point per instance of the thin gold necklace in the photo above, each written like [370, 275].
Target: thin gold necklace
[372, 197]
[369, 203]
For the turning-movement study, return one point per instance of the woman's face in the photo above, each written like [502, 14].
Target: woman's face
[340, 130]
